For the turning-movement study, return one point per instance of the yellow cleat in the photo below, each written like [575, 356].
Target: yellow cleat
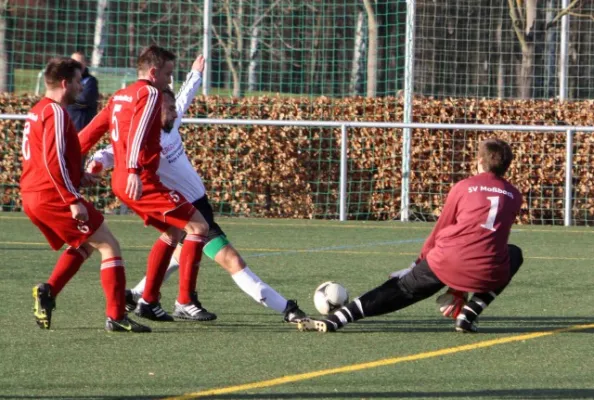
[43, 306]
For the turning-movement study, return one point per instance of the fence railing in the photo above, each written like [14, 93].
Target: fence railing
[405, 193]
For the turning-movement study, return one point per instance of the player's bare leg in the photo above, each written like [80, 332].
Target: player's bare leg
[113, 281]
[187, 305]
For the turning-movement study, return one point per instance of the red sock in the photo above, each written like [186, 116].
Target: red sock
[189, 263]
[113, 280]
[67, 266]
[158, 261]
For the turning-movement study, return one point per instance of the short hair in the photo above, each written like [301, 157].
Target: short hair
[153, 56]
[168, 92]
[496, 154]
[59, 69]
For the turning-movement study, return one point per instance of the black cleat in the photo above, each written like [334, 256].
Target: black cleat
[465, 326]
[193, 311]
[152, 311]
[131, 300]
[125, 325]
[293, 313]
[43, 306]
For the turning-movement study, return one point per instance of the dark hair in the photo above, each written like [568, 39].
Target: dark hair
[497, 156]
[59, 69]
[153, 56]
[169, 93]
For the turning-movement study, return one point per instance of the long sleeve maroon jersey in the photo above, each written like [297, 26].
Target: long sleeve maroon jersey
[132, 116]
[51, 153]
[467, 248]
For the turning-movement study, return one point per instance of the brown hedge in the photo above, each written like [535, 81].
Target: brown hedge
[294, 172]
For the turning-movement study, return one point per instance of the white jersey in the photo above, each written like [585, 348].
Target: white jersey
[175, 169]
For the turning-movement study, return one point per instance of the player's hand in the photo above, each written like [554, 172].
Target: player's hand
[95, 167]
[400, 273]
[199, 64]
[89, 179]
[79, 212]
[451, 303]
[134, 187]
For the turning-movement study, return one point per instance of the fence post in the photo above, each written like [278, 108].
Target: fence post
[207, 46]
[568, 176]
[409, 57]
[343, 173]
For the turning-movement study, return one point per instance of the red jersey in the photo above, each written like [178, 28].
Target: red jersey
[51, 153]
[132, 116]
[467, 248]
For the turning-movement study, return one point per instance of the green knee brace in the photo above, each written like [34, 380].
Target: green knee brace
[215, 245]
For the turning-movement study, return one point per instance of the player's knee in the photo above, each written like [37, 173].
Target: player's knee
[197, 228]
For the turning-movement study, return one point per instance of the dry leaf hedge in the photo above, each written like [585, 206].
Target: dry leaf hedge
[294, 172]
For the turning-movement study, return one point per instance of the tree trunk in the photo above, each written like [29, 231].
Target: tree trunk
[254, 49]
[500, 61]
[313, 63]
[6, 70]
[550, 50]
[355, 84]
[99, 37]
[372, 49]
[131, 36]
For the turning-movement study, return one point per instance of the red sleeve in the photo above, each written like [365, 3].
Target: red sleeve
[93, 132]
[446, 218]
[148, 106]
[54, 148]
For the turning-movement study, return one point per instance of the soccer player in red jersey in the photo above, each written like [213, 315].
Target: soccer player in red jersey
[49, 184]
[132, 116]
[467, 250]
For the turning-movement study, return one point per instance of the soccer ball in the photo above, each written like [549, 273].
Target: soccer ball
[330, 296]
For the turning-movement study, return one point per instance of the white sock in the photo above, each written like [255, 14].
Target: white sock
[258, 290]
[173, 266]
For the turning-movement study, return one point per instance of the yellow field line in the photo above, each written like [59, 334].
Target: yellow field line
[359, 225]
[374, 364]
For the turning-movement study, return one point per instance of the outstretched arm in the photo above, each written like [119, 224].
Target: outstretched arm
[188, 90]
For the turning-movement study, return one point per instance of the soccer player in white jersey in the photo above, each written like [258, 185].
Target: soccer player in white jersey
[177, 172]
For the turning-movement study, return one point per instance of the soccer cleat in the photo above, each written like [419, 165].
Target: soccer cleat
[125, 325]
[43, 306]
[293, 313]
[315, 325]
[152, 311]
[131, 300]
[464, 325]
[193, 311]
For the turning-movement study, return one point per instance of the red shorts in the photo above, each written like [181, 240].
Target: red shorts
[159, 206]
[54, 219]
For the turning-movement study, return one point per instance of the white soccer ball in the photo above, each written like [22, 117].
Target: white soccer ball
[330, 296]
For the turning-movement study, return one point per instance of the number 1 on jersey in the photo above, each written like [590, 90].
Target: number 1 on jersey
[492, 213]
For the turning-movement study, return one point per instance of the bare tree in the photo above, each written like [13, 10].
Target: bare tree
[6, 72]
[358, 54]
[372, 27]
[99, 37]
[523, 15]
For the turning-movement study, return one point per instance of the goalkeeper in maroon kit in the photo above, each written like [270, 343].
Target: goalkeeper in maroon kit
[467, 250]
